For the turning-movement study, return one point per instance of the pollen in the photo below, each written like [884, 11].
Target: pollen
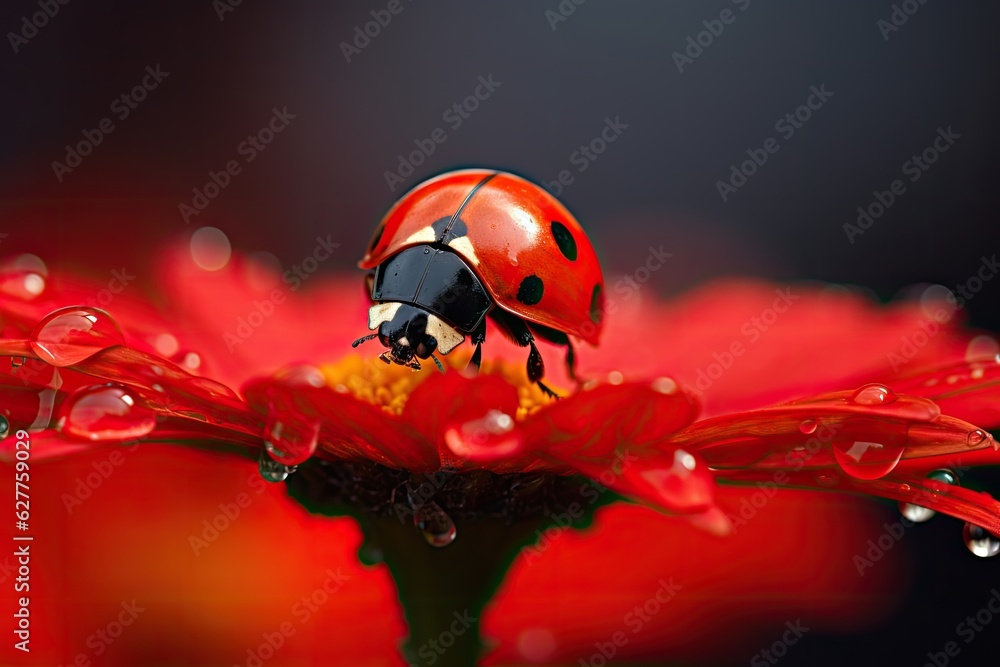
[388, 386]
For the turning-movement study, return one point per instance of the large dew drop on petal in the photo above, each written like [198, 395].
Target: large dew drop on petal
[491, 437]
[290, 440]
[980, 541]
[867, 460]
[874, 394]
[105, 412]
[69, 335]
[866, 449]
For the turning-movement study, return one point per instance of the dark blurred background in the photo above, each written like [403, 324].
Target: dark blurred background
[561, 76]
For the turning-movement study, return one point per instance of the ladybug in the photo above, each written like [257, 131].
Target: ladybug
[475, 244]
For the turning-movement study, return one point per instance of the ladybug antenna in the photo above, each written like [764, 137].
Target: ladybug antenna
[438, 363]
[364, 339]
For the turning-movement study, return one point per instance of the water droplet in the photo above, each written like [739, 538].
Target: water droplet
[866, 460]
[262, 271]
[4, 427]
[976, 437]
[166, 345]
[943, 475]
[808, 427]
[24, 285]
[69, 335]
[684, 460]
[665, 385]
[938, 302]
[492, 436]
[189, 361]
[435, 524]
[536, 644]
[874, 394]
[827, 479]
[981, 348]
[916, 513]
[980, 541]
[303, 375]
[271, 470]
[105, 412]
[34, 284]
[615, 377]
[210, 248]
[427, 251]
[290, 441]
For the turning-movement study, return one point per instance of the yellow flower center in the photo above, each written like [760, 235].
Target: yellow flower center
[389, 386]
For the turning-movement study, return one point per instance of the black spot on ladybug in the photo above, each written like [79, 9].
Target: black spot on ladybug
[564, 239]
[445, 234]
[596, 311]
[530, 291]
[377, 237]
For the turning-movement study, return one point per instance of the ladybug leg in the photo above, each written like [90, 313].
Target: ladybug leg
[571, 361]
[517, 330]
[478, 338]
[559, 338]
[536, 369]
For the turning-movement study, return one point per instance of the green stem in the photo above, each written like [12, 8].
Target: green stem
[444, 590]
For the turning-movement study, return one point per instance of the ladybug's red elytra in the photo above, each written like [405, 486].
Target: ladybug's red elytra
[478, 243]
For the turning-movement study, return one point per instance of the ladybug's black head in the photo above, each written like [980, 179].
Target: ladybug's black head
[410, 333]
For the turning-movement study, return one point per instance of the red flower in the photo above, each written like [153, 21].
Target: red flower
[798, 387]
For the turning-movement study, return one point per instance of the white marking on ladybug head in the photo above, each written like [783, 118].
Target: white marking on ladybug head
[403, 342]
[382, 312]
[425, 235]
[447, 337]
[463, 246]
